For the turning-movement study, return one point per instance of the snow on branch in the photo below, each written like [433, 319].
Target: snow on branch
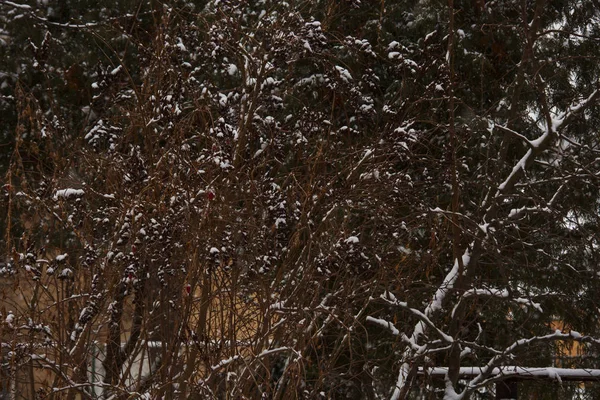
[502, 294]
[264, 353]
[540, 144]
[368, 153]
[390, 299]
[510, 131]
[484, 377]
[31, 12]
[68, 194]
[520, 372]
[224, 363]
[515, 213]
[435, 305]
[15, 5]
[384, 324]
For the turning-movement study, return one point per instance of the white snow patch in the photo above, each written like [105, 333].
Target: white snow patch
[429, 35]
[352, 239]
[232, 69]
[180, 45]
[306, 45]
[68, 193]
[65, 273]
[344, 73]
[116, 70]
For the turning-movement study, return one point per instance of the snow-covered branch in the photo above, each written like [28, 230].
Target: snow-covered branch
[542, 142]
[502, 294]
